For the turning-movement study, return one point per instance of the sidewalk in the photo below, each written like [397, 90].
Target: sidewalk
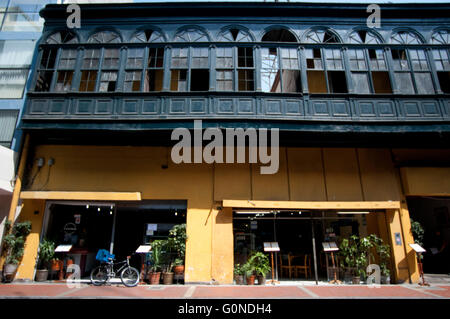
[61, 290]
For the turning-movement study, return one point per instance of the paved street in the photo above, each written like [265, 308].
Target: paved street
[60, 290]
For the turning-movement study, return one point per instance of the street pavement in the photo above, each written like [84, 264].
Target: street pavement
[294, 291]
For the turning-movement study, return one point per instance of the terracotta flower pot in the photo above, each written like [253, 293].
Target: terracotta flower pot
[154, 278]
[356, 280]
[239, 279]
[41, 274]
[251, 280]
[178, 270]
[168, 278]
[261, 279]
[55, 265]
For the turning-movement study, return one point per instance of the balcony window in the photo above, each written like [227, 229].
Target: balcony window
[328, 77]
[280, 71]
[442, 64]
[190, 69]
[45, 70]
[89, 71]
[155, 70]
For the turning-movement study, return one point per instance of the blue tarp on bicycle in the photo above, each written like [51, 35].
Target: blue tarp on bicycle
[103, 255]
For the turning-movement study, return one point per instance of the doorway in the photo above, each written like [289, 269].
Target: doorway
[299, 234]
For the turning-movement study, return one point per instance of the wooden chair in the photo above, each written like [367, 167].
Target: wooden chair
[303, 267]
[284, 264]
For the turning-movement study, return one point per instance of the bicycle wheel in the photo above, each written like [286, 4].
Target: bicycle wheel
[130, 276]
[99, 275]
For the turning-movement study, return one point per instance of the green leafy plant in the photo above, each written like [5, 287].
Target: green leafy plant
[248, 268]
[239, 270]
[46, 253]
[260, 263]
[14, 241]
[177, 240]
[418, 232]
[155, 256]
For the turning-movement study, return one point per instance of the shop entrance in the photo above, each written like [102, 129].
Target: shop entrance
[433, 214]
[300, 235]
[117, 227]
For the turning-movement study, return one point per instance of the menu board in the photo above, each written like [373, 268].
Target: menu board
[271, 246]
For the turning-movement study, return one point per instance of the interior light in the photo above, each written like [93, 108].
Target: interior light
[98, 209]
[347, 213]
[87, 206]
[110, 212]
[176, 213]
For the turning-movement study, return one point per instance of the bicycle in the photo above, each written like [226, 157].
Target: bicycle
[101, 274]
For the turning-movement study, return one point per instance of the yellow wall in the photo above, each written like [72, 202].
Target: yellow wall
[312, 174]
[26, 267]
[426, 181]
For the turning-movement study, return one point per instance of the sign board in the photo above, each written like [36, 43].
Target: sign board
[398, 239]
[143, 249]
[331, 246]
[151, 228]
[417, 248]
[63, 248]
[271, 246]
[253, 224]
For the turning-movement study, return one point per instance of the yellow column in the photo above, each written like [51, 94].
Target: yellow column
[199, 243]
[222, 246]
[405, 266]
[409, 239]
[33, 210]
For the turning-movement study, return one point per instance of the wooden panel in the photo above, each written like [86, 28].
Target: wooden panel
[378, 175]
[306, 174]
[262, 204]
[271, 186]
[342, 176]
[81, 195]
[232, 181]
[426, 180]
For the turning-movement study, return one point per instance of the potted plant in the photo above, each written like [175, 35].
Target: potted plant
[45, 256]
[355, 253]
[177, 242]
[168, 259]
[261, 266]
[239, 272]
[154, 275]
[249, 271]
[383, 251]
[13, 246]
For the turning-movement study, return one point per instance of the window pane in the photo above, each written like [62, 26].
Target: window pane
[357, 60]
[313, 59]
[317, 82]
[224, 80]
[418, 60]
[270, 74]
[88, 81]
[178, 80]
[16, 53]
[67, 59]
[200, 58]
[179, 58]
[404, 82]
[246, 81]
[12, 83]
[377, 61]
[154, 80]
[381, 82]
[43, 81]
[400, 60]
[333, 58]
[64, 81]
[108, 82]
[224, 58]
[156, 57]
[245, 57]
[361, 82]
[133, 81]
[289, 59]
[26, 5]
[111, 59]
[91, 58]
[292, 81]
[135, 58]
[30, 22]
[48, 59]
[424, 83]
